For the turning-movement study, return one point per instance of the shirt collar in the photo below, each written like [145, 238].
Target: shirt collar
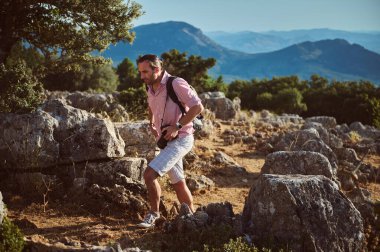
[165, 78]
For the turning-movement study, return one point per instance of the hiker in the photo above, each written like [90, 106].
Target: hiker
[172, 129]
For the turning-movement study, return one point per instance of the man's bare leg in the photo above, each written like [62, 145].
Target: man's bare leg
[154, 189]
[184, 194]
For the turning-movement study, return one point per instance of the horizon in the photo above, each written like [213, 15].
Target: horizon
[242, 15]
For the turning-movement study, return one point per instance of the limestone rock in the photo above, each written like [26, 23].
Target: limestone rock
[223, 107]
[27, 140]
[298, 162]
[196, 182]
[303, 213]
[107, 173]
[327, 121]
[82, 136]
[138, 138]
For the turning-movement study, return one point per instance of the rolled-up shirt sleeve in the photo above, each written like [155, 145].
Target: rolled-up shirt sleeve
[185, 93]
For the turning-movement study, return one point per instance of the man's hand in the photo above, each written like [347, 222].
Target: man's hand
[153, 130]
[171, 132]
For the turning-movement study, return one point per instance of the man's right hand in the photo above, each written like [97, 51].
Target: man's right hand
[153, 130]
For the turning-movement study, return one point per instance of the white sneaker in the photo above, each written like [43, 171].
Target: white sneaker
[149, 220]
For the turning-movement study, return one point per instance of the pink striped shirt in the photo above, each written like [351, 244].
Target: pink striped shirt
[172, 113]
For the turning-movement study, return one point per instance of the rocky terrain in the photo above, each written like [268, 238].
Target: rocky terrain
[71, 179]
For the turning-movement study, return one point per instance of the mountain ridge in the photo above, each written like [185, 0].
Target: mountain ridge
[334, 59]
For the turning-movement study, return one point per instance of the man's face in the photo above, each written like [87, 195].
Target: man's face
[148, 74]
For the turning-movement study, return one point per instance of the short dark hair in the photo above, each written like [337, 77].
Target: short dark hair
[154, 60]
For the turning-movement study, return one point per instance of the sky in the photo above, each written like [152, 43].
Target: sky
[264, 15]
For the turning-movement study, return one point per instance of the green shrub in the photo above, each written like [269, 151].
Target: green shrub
[20, 90]
[11, 238]
[135, 102]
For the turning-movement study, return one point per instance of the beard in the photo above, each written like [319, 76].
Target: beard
[151, 80]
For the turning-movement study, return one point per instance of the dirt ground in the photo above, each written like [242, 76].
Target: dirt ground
[70, 223]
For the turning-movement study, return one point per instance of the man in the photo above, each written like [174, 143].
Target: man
[165, 115]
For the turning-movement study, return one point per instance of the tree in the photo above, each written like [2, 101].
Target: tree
[71, 29]
[128, 75]
[20, 91]
[289, 100]
[89, 76]
[193, 69]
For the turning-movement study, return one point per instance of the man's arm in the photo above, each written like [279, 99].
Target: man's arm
[151, 123]
[195, 110]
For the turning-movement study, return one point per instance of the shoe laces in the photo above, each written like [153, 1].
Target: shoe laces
[150, 217]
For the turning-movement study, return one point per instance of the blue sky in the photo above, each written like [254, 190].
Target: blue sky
[265, 15]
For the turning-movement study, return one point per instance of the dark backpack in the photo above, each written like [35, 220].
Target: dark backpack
[197, 122]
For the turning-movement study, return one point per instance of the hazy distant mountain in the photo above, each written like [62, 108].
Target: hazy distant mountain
[254, 42]
[334, 59]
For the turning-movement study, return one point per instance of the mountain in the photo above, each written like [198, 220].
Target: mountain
[162, 37]
[334, 59]
[254, 42]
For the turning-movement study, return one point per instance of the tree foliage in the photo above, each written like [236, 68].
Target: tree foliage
[20, 90]
[193, 69]
[55, 41]
[128, 75]
[89, 76]
[71, 29]
[347, 101]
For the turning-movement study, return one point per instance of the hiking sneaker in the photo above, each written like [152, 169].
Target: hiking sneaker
[149, 220]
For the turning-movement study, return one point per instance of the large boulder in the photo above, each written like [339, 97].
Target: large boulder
[223, 107]
[302, 213]
[104, 105]
[306, 140]
[27, 140]
[82, 136]
[107, 173]
[298, 162]
[2, 209]
[138, 138]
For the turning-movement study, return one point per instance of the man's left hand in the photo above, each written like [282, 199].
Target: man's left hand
[171, 132]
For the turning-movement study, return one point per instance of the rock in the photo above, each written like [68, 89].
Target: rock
[223, 107]
[2, 209]
[82, 136]
[27, 140]
[347, 154]
[365, 131]
[302, 213]
[326, 121]
[211, 95]
[196, 182]
[104, 104]
[328, 138]
[108, 173]
[223, 158]
[306, 140]
[298, 162]
[138, 138]
[207, 129]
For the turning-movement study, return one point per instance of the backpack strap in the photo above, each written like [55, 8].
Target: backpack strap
[173, 95]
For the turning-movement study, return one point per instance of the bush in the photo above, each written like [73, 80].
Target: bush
[135, 102]
[20, 90]
[11, 238]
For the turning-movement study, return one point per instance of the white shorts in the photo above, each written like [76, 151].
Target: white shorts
[169, 160]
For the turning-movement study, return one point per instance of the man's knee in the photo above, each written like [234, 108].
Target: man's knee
[180, 185]
[150, 175]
